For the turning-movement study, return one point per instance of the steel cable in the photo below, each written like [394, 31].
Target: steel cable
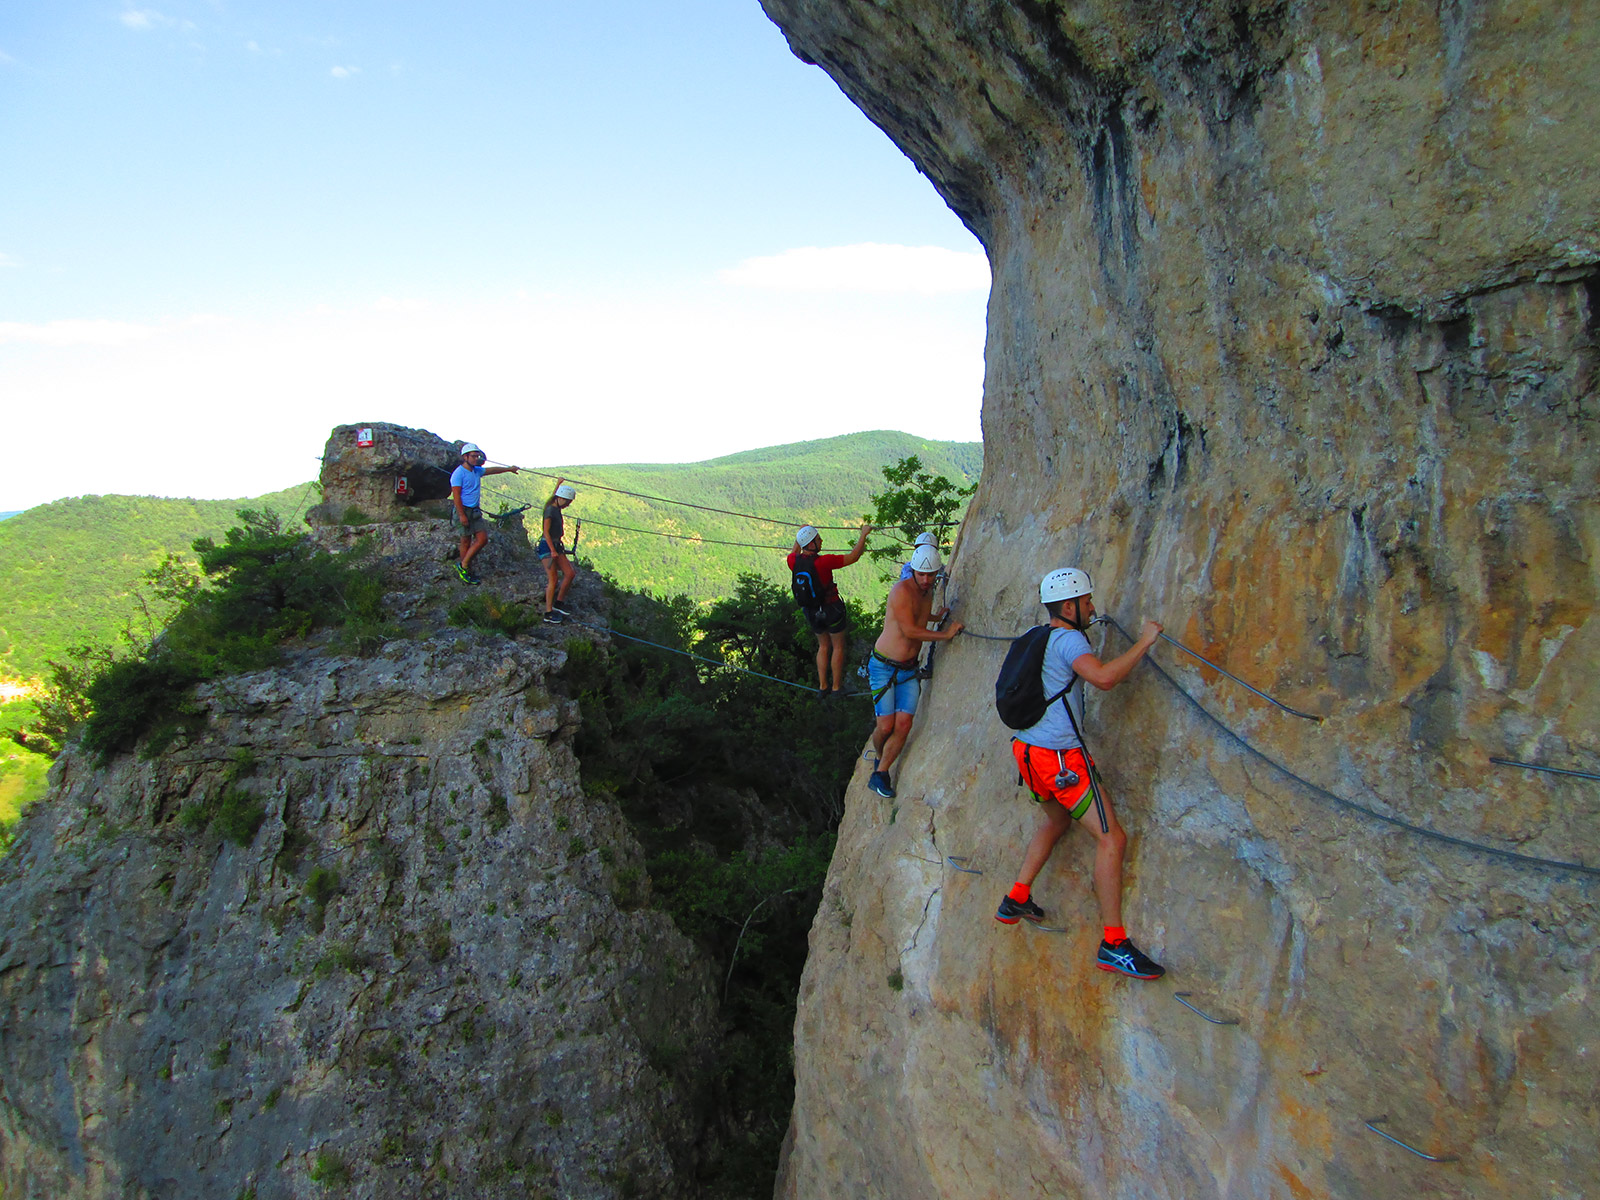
[1532, 860]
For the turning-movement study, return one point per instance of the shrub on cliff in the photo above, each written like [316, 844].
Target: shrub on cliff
[733, 785]
[263, 587]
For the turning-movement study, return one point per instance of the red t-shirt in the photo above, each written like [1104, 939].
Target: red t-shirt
[826, 565]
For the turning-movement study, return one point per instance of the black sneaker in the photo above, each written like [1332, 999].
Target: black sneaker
[1012, 911]
[878, 781]
[1127, 959]
[557, 608]
[554, 617]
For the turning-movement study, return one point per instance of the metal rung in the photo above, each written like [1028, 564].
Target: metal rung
[1438, 1158]
[955, 860]
[1179, 997]
[1511, 762]
[1045, 928]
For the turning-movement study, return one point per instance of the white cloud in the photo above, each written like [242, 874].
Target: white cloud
[6, 60]
[141, 18]
[72, 333]
[344, 72]
[871, 267]
[7, 261]
[542, 380]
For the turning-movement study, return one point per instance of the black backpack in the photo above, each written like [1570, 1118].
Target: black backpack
[1019, 690]
[805, 585]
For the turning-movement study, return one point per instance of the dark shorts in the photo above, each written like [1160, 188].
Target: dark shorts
[543, 550]
[830, 618]
[475, 523]
[1040, 767]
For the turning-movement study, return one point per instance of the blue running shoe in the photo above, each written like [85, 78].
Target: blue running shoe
[1127, 959]
[1012, 911]
[878, 781]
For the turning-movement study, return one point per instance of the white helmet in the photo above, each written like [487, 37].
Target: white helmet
[470, 448]
[566, 492]
[926, 539]
[925, 560]
[807, 535]
[1065, 584]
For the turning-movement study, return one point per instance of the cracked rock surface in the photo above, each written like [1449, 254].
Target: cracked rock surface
[429, 973]
[1292, 345]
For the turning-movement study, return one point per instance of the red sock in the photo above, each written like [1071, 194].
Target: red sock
[1115, 934]
[1019, 892]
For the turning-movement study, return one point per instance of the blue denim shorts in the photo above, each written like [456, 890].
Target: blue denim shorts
[895, 689]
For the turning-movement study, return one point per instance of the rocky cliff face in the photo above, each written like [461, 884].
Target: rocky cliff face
[1292, 345]
[427, 973]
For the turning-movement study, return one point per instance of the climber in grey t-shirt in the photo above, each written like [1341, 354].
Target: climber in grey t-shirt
[1051, 758]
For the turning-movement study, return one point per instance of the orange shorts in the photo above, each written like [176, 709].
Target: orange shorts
[1040, 768]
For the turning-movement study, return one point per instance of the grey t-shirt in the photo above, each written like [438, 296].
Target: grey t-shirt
[1054, 730]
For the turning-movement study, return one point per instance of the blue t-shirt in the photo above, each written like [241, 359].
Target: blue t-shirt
[470, 481]
[1054, 730]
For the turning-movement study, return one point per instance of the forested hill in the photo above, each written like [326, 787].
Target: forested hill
[826, 482]
[68, 570]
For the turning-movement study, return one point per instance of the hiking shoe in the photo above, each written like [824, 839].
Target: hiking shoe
[1011, 911]
[1127, 959]
[463, 574]
[472, 579]
[559, 609]
[554, 617]
[878, 781]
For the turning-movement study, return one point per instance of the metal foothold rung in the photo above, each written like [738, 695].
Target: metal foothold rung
[955, 860]
[1179, 997]
[1438, 1158]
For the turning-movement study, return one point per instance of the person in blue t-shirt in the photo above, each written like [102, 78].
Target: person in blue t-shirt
[466, 482]
[1051, 757]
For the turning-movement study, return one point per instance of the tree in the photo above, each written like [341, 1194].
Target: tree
[915, 502]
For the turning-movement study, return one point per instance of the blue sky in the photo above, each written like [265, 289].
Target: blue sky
[572, 232]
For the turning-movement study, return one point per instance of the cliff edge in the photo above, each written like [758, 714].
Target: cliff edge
[1292, 346]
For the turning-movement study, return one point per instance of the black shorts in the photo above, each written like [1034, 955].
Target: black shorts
[830, 618]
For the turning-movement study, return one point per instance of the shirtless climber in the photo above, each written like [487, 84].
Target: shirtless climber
[892, 671]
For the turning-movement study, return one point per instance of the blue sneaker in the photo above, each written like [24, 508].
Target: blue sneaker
[1012, 911]
[878, 781]
[1127, 959]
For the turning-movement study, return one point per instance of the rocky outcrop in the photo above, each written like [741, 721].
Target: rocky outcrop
[384, 479]
[1292, 345]
[430, 971]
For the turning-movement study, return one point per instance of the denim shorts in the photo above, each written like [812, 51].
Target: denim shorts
[895, 688]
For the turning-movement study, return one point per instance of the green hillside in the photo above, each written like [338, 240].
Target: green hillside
[825, 482]
[68, 569]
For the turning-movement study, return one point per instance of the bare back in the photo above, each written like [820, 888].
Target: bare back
[909, 607]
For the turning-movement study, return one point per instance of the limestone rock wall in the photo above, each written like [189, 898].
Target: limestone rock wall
[473, 1001]
[1292, 345]
[361, 484]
